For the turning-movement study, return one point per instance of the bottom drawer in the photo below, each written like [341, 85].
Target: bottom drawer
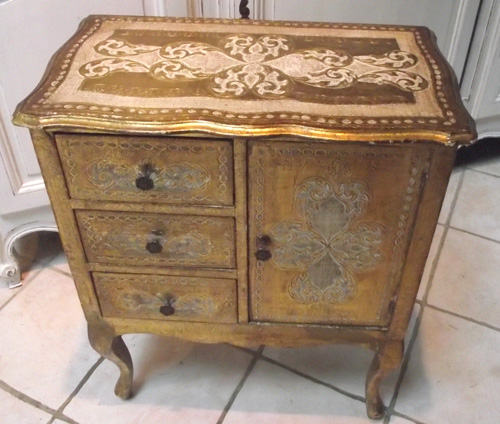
[166, 298]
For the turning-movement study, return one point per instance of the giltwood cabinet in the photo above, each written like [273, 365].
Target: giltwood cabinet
[247, 182]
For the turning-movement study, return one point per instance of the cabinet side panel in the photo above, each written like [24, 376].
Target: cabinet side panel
[425, 225]
[54, 180]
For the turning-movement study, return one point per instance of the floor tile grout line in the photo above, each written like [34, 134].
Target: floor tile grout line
[20, 289]
[43, 265]
[423, 304]
[407, 354]
[62, 418]
[473, 234]
[455, 198]
[466, 318]
[407, 417]
[60, 271]
[306, 376]
[313, 379]
[482, 172]
[59, 413]
[251, 366]
[242, 349]
[448, 226]
[25, 398]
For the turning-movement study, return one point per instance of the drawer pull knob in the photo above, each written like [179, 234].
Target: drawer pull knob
[168, 308]
[144, 181]
[263, 253]
[154, 246]
[263, 241]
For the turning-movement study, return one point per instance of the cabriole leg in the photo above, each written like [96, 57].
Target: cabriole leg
[387, 358]
[110, 346]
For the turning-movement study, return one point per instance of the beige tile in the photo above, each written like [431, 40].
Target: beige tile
[455, 177]
[478, 206]
[438, 235]
[272, 395]
[175, 382]
[15, 411]
[342, 366]
[6, 293]
[453, 374]
[44, 351]
[466, 278]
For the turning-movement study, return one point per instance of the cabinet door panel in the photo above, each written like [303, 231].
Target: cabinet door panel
[338, 219]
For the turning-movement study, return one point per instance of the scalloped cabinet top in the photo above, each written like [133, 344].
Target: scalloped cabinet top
[251, 78]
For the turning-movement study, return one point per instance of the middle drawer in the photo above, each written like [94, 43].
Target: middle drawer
[143, 239]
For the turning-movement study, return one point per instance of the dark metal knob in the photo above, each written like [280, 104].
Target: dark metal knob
[262, 243]
[168, 308]
[263, 255]
[154, 246]
[144, 183]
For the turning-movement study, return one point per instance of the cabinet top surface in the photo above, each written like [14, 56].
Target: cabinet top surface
[251, 78]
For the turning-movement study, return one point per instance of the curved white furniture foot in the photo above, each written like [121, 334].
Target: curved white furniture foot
[9, 264]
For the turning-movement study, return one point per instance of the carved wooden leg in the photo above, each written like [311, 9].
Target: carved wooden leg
[108, 344]
[387, 358]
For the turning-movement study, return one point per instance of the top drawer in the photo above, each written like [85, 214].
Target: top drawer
[154, 169]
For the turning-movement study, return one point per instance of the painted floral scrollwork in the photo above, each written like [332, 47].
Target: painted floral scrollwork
[330, 243]
[185, 305]
[265, 65]
[176, 177]
[189, 245]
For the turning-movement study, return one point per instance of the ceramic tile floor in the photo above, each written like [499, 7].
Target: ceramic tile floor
[450, 373]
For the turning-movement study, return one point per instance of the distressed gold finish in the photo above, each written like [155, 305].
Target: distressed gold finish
[316, 235]
[181, 171]
[123, 238]
[338, 229]
[142, 296]
[331, 81]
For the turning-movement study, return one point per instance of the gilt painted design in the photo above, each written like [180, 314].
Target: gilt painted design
[331, 241]
[177, 74]
[188, 305]
[182, 240]
[190, 245]
[266, 65]
[183, 171]
[177, 177]
[142, 296]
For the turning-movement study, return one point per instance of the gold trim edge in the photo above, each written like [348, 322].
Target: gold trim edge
[365, 135]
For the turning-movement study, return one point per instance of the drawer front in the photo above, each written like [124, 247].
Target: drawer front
[329, 229]
[138, 169]
[166, 298]
[124, 238]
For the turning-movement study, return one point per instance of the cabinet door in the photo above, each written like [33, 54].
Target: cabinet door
[336, 220]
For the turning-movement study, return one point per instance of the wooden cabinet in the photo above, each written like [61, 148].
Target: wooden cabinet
[247, 182]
